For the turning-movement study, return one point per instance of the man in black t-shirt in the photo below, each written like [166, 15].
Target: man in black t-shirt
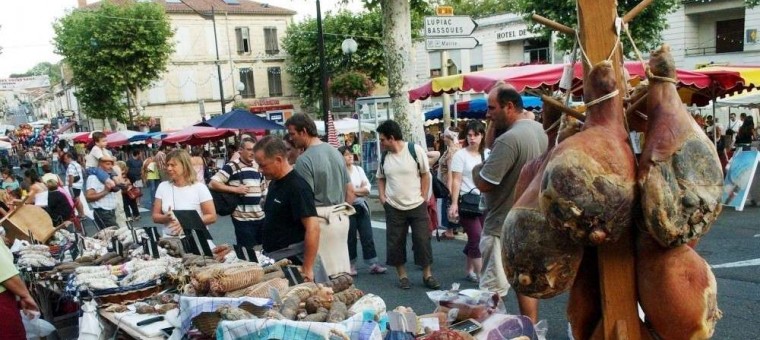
[290, 215]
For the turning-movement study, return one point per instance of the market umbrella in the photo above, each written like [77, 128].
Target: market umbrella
[124, 137]
[532, 77]
[85, 138]
[476, 108]
[332, 136]
[72, 135]
[197, 135]
[241, 120]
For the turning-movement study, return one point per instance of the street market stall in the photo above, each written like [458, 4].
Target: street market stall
[197, 135]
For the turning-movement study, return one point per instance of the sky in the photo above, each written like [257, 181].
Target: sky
[26, 31]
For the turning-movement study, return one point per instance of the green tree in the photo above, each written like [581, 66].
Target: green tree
[53, 71]
[113, 50]
[300, 44]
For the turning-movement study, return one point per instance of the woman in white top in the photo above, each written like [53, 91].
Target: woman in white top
[181, 192]
[360, 221]
[461, 169]
[38, 192]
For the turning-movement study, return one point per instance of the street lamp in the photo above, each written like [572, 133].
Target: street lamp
[349, 47]
[240, 87]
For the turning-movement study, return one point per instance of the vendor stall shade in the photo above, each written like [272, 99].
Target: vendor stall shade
[476, 108]
[547, 75]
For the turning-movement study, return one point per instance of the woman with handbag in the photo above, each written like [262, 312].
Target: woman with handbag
[466, 207]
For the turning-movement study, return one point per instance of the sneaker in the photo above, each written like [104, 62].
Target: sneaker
[377, 269]
[431, 282]
[472, 277]
[353, 271]
[404, 283]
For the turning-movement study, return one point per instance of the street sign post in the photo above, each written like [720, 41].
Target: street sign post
[451, 43]
[449, 26]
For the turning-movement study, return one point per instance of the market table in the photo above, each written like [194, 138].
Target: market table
[127, 322]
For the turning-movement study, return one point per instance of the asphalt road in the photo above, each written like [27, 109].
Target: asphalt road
[735, 237]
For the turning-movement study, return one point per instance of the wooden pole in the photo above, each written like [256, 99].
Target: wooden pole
[617, 275]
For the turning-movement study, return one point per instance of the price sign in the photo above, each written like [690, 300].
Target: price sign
[117, 246]
[245, 253]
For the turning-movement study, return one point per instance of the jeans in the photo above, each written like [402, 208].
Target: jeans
[130, 206]
[360, 222]
[150, 187]
[248, 233]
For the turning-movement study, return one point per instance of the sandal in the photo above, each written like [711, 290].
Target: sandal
[404, 283]
[431, 282]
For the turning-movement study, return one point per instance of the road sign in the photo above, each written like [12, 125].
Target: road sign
[449, 26]
[444, 11]
[451, 43]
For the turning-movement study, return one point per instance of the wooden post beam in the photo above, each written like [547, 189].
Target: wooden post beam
[617, 273]
[553, 24]
[636, 10]
[555, 103]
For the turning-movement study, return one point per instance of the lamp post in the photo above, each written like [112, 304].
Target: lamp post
[349, 47]
[322, 66]
[216, 47]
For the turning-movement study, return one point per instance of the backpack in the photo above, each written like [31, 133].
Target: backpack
[409, 146]
[226, 202]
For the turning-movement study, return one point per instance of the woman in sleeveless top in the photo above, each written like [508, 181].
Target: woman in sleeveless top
[38, 192]
[197, 162]
[451, 138]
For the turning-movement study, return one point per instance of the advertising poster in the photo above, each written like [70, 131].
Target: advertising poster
[741, 172]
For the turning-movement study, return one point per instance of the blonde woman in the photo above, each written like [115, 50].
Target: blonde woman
[451, 138]
[182, 191]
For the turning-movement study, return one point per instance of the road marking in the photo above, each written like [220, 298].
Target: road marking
[378, 225]
[757, 235]
[747, 263]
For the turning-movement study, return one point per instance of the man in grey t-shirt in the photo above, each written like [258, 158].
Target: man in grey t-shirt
[324, 169]
[523, 141]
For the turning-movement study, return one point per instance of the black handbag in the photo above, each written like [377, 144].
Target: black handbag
[469, 204]
[225, 203]
[439, 189]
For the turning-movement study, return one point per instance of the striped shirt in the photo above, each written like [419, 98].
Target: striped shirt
[249, 208]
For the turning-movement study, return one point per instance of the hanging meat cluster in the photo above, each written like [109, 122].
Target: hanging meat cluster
[587, 191]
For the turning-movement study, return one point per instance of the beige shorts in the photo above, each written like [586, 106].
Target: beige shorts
[492, 277]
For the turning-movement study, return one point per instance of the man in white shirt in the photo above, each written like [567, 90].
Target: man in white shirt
[403, 181]
[101, 198]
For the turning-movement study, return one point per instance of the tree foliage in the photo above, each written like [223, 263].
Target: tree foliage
[645, 29]
[350, 85]
[300, 42]
[114, 49]
[53, 71]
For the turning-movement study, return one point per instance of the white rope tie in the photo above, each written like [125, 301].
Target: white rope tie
[602, 98]
[647, 70]
[553, 126]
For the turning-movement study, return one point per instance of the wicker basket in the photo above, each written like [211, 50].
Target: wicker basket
[207, 322]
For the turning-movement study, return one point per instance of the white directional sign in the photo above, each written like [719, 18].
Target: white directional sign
[449, 26]
[451, 43]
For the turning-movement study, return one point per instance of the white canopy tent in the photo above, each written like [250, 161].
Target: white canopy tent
[749, 99]
[345, 125]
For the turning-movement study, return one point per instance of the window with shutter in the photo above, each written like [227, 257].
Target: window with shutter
[243, 38]
[275, 81]
[270, 40]
[246, 77]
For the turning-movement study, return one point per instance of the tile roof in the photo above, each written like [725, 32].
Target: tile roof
[220, 6]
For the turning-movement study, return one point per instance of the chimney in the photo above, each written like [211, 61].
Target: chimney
[81, 3]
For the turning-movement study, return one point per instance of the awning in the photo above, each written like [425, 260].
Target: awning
[65, 127]
[476, 108]
[535, 76]
[748, 99]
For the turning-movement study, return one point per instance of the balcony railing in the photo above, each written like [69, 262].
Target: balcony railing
[697, 51]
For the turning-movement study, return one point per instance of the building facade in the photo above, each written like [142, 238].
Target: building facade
[248, 36]
[722, 32]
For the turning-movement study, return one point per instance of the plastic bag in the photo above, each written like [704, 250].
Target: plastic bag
[36, 327]
[466, 304]
[89, 325]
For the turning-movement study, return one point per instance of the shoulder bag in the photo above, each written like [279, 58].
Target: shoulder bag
[469, 203]
[225, 202]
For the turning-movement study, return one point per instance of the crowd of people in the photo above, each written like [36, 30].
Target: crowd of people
[293, 192]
